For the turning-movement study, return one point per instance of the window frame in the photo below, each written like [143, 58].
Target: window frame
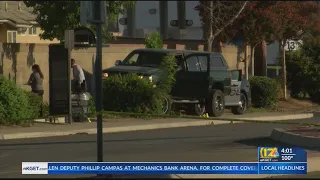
[11, 34]
[207, 63]
[198, 64]
[22, 34]
[33, 31]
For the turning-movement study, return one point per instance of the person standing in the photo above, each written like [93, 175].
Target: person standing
[35, 81]
[78, 75]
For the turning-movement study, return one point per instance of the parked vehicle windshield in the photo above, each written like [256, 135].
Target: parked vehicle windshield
[146, 59]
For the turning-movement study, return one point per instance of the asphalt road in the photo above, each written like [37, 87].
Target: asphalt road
[229, 142]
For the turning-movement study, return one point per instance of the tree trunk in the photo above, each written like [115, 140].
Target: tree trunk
[284, 72]
[210, 38]
[246, 62]
[264, 58]
[252, 59]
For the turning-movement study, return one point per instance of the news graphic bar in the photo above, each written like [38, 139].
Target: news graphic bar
[163, 168]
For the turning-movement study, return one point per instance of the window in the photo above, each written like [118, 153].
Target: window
[203, 62]
[235, 74]
[133, 59]
[11, 36]
[216, 62]
[148, 59]
[33, 30]
[22, 31]
[193, 64]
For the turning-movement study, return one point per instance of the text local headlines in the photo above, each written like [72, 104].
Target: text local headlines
[271, 160]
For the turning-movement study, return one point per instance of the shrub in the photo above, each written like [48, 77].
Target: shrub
[14, 104]
[169, 69]
[154, 40]
[303, 68]
[45, 107]
[264, 91]
[130, 93]
[91, 107]
[34, 105]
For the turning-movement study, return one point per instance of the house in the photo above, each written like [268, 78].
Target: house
[18, 25]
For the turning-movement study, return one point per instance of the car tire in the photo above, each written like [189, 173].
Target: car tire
[239, 110]
[215, 104]
[166, 105]
[196, 109]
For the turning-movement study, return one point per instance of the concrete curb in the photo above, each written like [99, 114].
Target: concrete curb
[283, 117]
[109, 130]
[148, 127]
[281, 135]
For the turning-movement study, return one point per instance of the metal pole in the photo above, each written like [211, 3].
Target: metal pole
[98, 74]
[69, 87]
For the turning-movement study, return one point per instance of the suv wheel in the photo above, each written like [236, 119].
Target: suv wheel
[196, 109]
[215, 103]
[166, 105]
[242, 108]
[199, 109]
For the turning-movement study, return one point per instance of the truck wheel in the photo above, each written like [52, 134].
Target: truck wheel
[215, 103]
[242, 108]
[166, 105]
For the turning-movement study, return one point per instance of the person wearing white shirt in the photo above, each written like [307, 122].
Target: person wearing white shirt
[79, 78]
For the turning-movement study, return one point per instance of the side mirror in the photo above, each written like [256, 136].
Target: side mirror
[118, 62]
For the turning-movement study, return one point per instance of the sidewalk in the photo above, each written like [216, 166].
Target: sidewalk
[303, 136]
[133, 124]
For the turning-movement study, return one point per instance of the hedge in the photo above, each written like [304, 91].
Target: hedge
[129, 93]
[264, 91]
[16, 105]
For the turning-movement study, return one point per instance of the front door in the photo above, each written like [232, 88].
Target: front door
[234, 97]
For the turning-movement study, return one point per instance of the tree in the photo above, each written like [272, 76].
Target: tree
[251, 26]
[216, 16]
[56, 16]
[290, 20]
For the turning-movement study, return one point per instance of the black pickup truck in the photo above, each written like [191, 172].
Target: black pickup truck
[203, 79]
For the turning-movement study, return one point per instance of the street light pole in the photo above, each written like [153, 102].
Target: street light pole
[98, 75]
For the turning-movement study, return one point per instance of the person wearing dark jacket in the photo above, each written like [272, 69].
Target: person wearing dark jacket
[35, 81]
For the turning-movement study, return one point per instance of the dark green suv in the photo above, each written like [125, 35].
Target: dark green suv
[203, 79]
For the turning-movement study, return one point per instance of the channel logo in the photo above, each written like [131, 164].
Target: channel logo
[34, 168]
[268, 153]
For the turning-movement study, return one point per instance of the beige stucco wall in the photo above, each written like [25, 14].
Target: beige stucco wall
[24, 38]
[27, 38]
[3, 33]
[19, 57]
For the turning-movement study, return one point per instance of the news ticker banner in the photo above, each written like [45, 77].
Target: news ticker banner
[163, 168]
[271, 160]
